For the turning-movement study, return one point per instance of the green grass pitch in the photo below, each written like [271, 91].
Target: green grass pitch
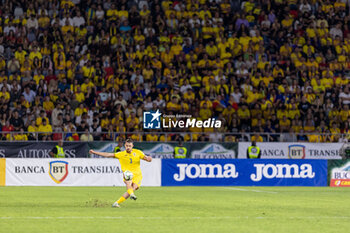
[175, 209]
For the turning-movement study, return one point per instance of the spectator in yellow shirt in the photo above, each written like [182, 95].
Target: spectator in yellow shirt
[80, 110]
[151, 137]
[20, 54]
[244, 114]
[173, 105]
[35, 53]
[189, 95]
[257, 138]
[80, 97]
[5, 94]
[176, 48]
[45, 130]
[48, 105]
[317, 137]
[211, 50]
[206, 101]
[132, 122]
[20, 136]
[41, 117]
[136, 136]
[32, 129]
[87, 83]
[88, 70]
[205, 113]
[284, 123]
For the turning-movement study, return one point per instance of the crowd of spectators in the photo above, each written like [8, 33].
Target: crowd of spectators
[267, 66]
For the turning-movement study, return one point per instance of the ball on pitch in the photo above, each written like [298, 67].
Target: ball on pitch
[128, 175]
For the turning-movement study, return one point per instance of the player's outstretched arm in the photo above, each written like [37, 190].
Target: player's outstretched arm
[147, 158]
[104, 154]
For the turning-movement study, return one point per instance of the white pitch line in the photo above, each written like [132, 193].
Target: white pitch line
[250, 190]
[170, 217]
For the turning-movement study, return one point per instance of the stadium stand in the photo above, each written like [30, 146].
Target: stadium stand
[259, 66]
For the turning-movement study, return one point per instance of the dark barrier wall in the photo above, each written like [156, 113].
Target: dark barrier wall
[41, 149]
[240, 172]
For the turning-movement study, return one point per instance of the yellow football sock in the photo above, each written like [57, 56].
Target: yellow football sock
[130, 191]
[121, 199]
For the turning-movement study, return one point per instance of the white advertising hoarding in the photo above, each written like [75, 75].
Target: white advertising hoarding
[75, 172]
[281, 150]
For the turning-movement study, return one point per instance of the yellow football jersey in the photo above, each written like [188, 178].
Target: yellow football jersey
[130, 161]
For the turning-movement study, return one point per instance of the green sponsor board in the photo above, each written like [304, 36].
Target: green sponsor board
[338, 169]
[213, 150]
[156, 150]
[101, 146]
[162, 150]
[166, 149]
